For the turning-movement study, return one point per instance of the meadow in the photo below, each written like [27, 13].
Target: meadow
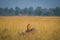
[47, 27]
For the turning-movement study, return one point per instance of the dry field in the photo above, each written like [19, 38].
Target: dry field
[47, 28]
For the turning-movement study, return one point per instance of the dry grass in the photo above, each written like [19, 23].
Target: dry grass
[47, 28]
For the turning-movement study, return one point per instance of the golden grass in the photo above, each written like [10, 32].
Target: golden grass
[47, 28]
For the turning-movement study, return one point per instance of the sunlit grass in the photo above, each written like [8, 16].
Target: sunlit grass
[47, 28]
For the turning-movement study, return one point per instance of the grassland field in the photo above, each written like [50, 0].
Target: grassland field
[47, 27]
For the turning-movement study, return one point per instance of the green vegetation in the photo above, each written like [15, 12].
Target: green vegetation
[30, 11]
